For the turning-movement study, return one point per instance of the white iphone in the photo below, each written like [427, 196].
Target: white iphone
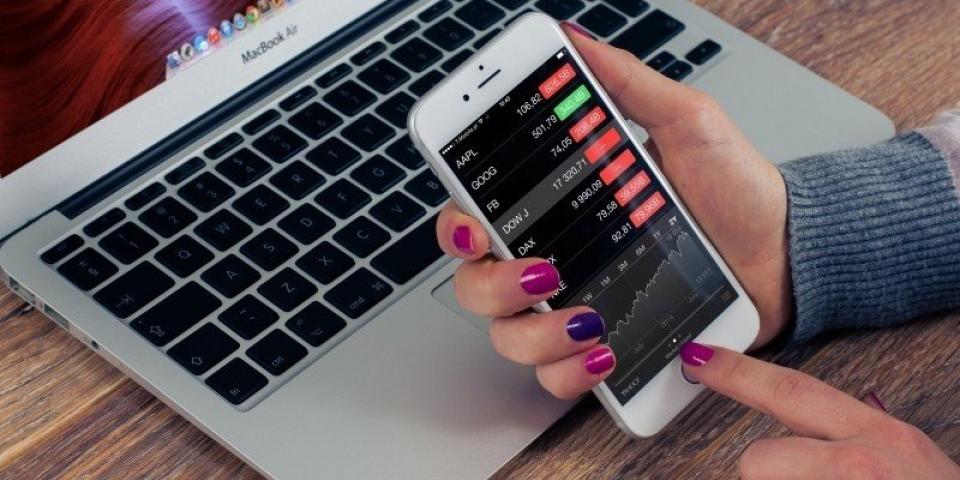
[526, 141]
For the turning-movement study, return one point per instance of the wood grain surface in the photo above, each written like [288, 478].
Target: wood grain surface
[64, 413]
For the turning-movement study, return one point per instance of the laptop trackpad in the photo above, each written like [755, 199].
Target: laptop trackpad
[445, 294]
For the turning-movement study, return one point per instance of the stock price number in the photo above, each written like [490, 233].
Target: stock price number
[527, 106]
[570, 174]
[587, 194]
[544, 127]
[607, 210]
[621, 233]
[561, 147]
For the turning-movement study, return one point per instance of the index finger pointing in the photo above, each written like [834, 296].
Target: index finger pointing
[802, 403]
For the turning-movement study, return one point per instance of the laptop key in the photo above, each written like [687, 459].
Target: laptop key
[248, 317]
[279, 144]
[560, 9]
[361, 236]
[410, 255]
[396, 108]
[145, 196]
[368, 132]
[349, 98]
[243, 167]
[205, 192]
[62, 249]
[297, 180]
[383, 76]
[315, 120]
[269, 249]
[343, 198]
[358, 293]
[649, 34]
[403, 31]
[260, 122]
[133, 290]
[661, 60]
[276, 352]
[416, 55]
[173, 315]
[236, 381]
[168, 217]
[602, 20]
[316, 324]
[333, 156]
[298, 98]
[433, 11]
[230, 276]
[449, 34]
[703, 52]
[480, 14]
[486, 38]
[184, 256]
[325, 263]
[185, 170]
[334, 75]
[203, 349]
[368, 53]
[427, 188]
[397, 211]
[632, 8]
[678, 70]
[423, 85]
[405, 153]
[306, 224]
[287, 289]
[222, 146]
[378, 174]
[261, 204]
[128, 243]
[87, 269]
[223, 230]
[104, 222]
[453, 62]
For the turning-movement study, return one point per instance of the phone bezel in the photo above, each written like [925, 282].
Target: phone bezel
[444, 113]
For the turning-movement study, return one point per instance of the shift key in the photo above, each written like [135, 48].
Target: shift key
[175, 314]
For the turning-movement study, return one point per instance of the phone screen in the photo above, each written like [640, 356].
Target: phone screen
[557, 178]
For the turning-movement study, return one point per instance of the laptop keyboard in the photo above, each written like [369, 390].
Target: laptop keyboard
[246, 263]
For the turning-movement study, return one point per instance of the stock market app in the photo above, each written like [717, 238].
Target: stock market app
[558, 178]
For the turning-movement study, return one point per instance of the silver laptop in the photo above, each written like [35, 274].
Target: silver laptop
[252, 239]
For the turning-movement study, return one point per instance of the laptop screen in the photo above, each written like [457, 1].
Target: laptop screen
[66, 65]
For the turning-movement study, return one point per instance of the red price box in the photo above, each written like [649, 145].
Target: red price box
[617, 167]
[632, 188]
[602, 145]
[587, 124]
[649, 207]
[556, 81]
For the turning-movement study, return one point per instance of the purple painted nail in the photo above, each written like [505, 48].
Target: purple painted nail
[539, 279]
[578, 29]
[874, 399]
[463, 240]
[585, 326]
[695, 354]
[599, 361]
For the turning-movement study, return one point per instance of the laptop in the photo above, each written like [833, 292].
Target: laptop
[230, 211]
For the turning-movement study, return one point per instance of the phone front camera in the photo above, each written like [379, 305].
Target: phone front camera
[466, 98]
[481, 67]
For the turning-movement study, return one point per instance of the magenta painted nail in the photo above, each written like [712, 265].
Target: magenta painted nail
[599, 361]
[695, 354]
[539, 279]
[579, 29]
[463, 240]
[874, 399]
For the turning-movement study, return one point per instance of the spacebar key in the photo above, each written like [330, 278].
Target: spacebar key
[411, 254]
[649, 34]
[175, 314]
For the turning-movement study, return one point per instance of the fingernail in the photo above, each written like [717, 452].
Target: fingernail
[578, 29]
[584, 326]
[599, 361]
[874, 399]
[463, 240]
[695, 354]
[539, 279]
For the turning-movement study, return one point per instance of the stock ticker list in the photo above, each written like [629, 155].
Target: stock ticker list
[559, 179]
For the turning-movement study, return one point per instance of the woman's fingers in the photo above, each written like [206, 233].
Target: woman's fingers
[539, 338]
[461, 235]
[802, 403]
[577, 374]
[789, 458]
[493, 288]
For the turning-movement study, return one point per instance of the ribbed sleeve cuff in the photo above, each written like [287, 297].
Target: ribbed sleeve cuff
[874, 236]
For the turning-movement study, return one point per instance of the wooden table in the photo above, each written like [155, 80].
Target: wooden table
[66, 413]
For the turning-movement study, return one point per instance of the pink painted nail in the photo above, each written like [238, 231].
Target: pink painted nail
[578, 29]
[463, 240]
[695, 354]
[874, 400]
[599, 361]
[539, 279]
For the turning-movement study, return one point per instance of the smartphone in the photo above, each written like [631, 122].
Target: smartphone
[526, 140]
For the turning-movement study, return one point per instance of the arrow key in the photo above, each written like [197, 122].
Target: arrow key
[203, 349]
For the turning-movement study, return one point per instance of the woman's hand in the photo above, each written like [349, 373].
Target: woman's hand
[737, 197]
[837, 436]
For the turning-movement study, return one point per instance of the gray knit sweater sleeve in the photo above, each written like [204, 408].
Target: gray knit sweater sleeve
[874, 233]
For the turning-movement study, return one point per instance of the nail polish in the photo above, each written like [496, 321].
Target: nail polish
[695, 354]
[539, 279]
[874, 399]
[584, 326]
[599, 361]
[463, 240]
[578, 29]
